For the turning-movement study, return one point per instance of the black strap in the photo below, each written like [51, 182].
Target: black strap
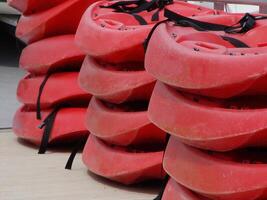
[155, 16]
[138, 5]
[235, 42]
[140, 19]
[147, 40]
[244, 25]
[134, 7]
[166, 179]
[80, 145]
[38, 103]
[186, 21]
[48, 124]
[164, 184]
[151, 5]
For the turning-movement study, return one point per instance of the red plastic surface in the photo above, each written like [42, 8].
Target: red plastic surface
[123, 124]
[59, 20]
[202, 62]
[60, 88]
[174, 191]
[52, 54]
[116, 83]
[28, 7]
[238, 175]
[68, 125]
[118, 37]
[120, 164]
[209, 123]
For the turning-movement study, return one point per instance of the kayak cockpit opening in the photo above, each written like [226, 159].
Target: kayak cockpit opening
[235, 103]
[139, 148]
[245, 156]
[123, 67]
[132, 106]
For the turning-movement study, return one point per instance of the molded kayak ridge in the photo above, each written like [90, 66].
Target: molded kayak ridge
[120, 34]
[25, 125]
[60, 88]
[237, 175]
[52, 22]
[209, 63]
[122, 164]
[124, 124]
[115, 83]
[28, 7]
[52, 54]
[201, 122]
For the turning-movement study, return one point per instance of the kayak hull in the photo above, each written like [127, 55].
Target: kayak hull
[120, 165]
[60, 54]
[49, 23]
[242, 174]
[208, 64]
[28, 7]
[200, 121]
[60, 88]
[125, 35]
[25, 125]
[121, 127]
[114, 84]
[174, 191]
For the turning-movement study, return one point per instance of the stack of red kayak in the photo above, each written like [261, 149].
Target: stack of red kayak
[124, 145]
[47, 18]
[54, 106]
[154, 68]
[211, 98]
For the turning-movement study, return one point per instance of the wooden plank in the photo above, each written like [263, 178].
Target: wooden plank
[27, 175]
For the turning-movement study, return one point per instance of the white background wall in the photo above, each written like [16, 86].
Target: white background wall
[5, 9]
[231, 7]
[242, 8]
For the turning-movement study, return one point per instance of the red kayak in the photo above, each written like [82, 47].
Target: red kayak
[124, 124]
[238, 175]
[59, 20]
[119, 83]
[213, 124]
[121, 164]
[52, 54]
[67, 125]
[175, 191]
[60, 88]
[28, 7]
[219, 63]
[125, 28]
